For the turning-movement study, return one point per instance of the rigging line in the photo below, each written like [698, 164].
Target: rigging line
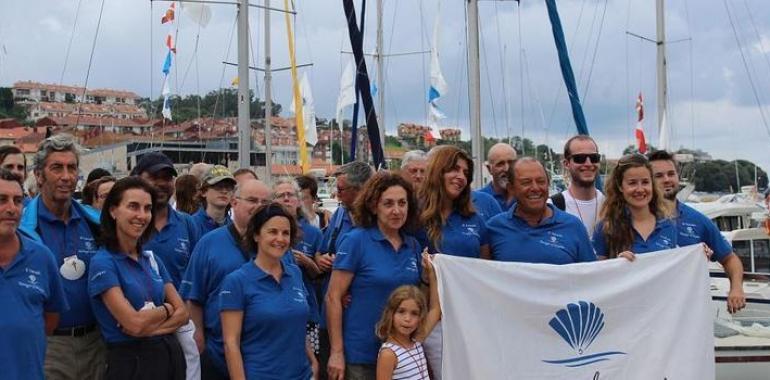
[190, 63]
[501, 51]
[224, 67]
[583, 65]
[150, 106]
[746, 66]
[69, 44]
[489, 81]
[422, 56]
[467, 75]
[692, 75]
[628, 95]
[756, 32]
[521, 73]
[90, 61]
[596, 50]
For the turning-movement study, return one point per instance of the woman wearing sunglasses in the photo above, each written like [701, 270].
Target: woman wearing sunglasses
[635, 217]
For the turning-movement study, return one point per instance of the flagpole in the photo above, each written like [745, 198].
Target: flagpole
[244, 98]
[268, 100]
[474, 90]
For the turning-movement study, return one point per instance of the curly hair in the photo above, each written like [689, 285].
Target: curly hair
[384, 328]
[363, 210]
[433, 193]
[187, 187]
[618, 231]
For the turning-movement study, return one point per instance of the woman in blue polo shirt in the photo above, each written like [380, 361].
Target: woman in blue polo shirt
[450, 223]
[372, 260]
[634, 217]
[135, 304]
[286, 191]
[264, 308]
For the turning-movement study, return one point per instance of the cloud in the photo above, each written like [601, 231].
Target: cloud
[52, 24]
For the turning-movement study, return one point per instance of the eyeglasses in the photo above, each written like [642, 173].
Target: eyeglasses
[288, 194]
[581, 158]
[255, 201]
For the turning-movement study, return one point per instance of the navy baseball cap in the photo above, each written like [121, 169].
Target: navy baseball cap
[153, 163]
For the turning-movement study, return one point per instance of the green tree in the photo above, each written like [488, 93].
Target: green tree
[8, 107]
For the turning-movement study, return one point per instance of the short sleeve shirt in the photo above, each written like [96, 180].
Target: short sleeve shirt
[141, 281]
[663, 236]
[174, 244]
[558, 239]
[275, 315]
[485, 205]
[377, 270]
[29, 287]
[694, 227]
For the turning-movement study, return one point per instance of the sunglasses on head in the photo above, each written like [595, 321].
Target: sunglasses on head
[581, 158]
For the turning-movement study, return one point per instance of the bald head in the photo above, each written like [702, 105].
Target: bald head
[250, 194]
[199, 169]
[499, 159]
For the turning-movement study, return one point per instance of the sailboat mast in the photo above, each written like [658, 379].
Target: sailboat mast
[474, 91]
[268, 100]
[244, 101]
[380, 58]
[662, 79]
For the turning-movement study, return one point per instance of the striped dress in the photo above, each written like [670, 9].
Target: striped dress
[411, 363]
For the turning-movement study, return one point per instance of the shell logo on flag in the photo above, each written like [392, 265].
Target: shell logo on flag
[579, 324]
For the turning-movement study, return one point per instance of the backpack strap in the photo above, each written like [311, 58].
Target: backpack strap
[559, 201]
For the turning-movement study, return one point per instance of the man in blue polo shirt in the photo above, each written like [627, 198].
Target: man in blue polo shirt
[499, 159]
[216, 255]
[173, 240]
[351, 178]
[694, 227]
[535, 231]
[31, 292]
[76, 350]
[217, 192]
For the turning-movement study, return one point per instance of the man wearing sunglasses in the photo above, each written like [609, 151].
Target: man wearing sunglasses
[581, 199]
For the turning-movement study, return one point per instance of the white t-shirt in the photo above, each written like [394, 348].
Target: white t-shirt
[586, 211]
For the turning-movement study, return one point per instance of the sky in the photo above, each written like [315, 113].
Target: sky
[712, 105]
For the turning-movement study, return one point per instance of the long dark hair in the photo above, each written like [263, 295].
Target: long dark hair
[433, 192]
[109, 237]
[618, 231]
[261, 217]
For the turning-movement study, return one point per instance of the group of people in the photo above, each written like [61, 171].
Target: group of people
[216, 275]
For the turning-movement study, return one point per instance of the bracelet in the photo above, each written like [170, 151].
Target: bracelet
[168, 313]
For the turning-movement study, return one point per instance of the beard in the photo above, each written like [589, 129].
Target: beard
[502, 181]
[670, 195]
[579, 182]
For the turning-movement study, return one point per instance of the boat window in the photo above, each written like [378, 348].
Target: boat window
[729, 223]
[742, 248]
[762, 256]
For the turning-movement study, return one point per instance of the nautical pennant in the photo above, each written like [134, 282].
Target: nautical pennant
[438, 86]
[166, 91]
[641, 142]
[169, 15]
[347, 96]
[308, 109]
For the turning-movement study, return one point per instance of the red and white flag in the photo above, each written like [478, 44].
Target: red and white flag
[169, 15]
[640, 141]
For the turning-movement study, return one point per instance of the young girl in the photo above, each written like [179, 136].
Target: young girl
[405, 323]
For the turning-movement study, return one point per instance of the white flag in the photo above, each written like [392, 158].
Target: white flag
[308, 110]
[438, 86]
[347, 95]
[166, 112]
[614, 319]
[197, 12]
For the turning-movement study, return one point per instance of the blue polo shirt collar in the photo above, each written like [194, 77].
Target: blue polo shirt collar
[555, 217]
[262, 275]
[659, 225]
[21, 256]
[376, 234]
[46, 214]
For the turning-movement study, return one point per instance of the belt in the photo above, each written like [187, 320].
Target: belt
[76, 331]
